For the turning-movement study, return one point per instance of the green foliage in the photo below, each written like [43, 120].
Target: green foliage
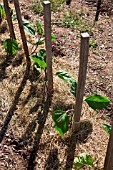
[93, 43]
[2, 11]
[39, 28]
[28, 27]
[11, 46]
[53, 37]
[97, 101]
[61, 120]
[64, 75]
[37, 7]
[83, 159]
[107, 128]
[71, 19]
[84, 28]
[73, 88]
[39, 59]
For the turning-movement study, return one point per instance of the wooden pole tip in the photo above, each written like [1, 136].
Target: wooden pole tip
[46, 2]
[85, 35]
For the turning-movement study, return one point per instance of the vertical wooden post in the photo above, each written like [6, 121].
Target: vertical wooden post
[24, 41]
[108, 164]
[48, 43]
[84, 50]
[9, 19]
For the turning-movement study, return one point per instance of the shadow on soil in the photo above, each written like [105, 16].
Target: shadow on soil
[14, 103]
[52, 161]
[15, 61]
[41, 122]
[80, 137]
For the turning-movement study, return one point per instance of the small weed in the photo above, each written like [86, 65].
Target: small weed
[84, 28]
[93, 43]
[37, 7]
[71, 19]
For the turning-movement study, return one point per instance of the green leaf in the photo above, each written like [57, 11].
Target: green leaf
[61, 120]
[97, 101]
[65, 76]
[53, 37]
[41, 63]
[107, 128]
[14, 17]
[39, 28]
[74, 88]
[2, 11]
[28, 27]
[11, 46]
[83, 159]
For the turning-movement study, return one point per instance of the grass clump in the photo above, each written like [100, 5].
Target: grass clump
[37, 7]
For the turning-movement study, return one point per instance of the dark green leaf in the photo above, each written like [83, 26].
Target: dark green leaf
[14, 17]
[53, 37]
[83, 159]
[41, 63]
[11, 46]
[61, 120]
[39, 28]
[74, 88]
[28, 27]
[65, 76]
[107, 128]
[97, 101]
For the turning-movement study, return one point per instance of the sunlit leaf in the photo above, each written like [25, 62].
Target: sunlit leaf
[61, 120]
[41, 63]
[53, 37]
[97, 101]
[39, 28]
[83, 159]
[107, 128]
[64, 75]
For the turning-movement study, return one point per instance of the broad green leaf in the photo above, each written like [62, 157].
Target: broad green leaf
[41, 55]
[74, 88]
[53, 37]
[41, 63]
[40, 42]
[83, 159]
[61, 120]
[97, 101]
[107, 128]
[2, 11]
[65, 76]
[39, 28]
[11, 46]
[28, 27]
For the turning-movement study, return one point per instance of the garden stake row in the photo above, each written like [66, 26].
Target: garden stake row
[84, 50]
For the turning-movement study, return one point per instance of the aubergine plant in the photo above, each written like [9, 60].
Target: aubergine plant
[95, 101]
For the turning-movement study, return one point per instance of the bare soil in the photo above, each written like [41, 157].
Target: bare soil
[30, 141]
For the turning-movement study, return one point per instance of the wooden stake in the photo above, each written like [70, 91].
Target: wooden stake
[48, 43]
[24, 41]
[9, 19]
[108, 164]
[84, 50]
